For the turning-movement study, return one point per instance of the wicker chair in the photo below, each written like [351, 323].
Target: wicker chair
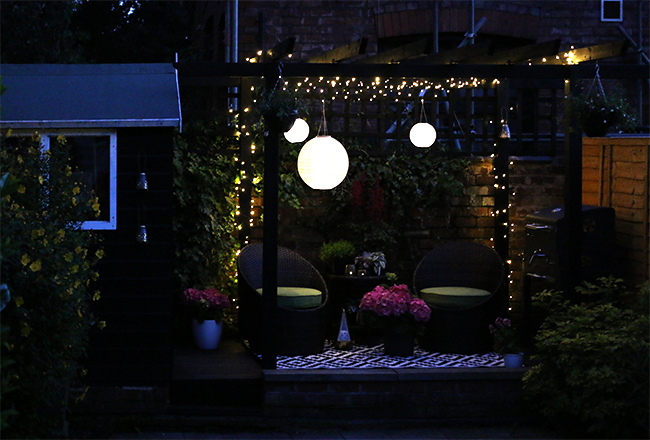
[463, 328]
[298, 331]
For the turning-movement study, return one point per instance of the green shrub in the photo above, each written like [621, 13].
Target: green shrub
[592, 359]
[205, 176]
[47, 262]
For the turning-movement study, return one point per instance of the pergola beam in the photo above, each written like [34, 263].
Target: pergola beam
[519, 54]
[341, 53]
[590, 53]
[415, 49]
[460, 54]
[276, 53]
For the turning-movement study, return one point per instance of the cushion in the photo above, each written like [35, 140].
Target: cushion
[297, 297]
[453, 297]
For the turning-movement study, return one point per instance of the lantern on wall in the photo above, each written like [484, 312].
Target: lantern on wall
[505, 130]
[422, 134]
[323, 161]
[298, 132]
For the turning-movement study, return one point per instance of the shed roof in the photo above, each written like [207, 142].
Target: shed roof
[89, 95]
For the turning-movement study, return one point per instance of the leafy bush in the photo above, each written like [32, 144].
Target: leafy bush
[373, 205]
[592, 359]
[47, 262]
[206, 173]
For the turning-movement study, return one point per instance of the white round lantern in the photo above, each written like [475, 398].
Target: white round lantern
[323, 162]
[298, 132]
[422, 135]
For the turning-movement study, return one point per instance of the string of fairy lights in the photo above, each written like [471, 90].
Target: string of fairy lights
[408, 90]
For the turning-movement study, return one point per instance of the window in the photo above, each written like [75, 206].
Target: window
[611, 10]
[94, 154]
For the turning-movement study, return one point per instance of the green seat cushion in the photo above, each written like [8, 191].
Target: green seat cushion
[453, 297]
[298, 297]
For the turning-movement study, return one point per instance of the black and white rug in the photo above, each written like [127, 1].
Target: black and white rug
[361, 356]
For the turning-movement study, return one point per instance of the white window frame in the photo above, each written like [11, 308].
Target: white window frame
[111, 223]
[602, 10]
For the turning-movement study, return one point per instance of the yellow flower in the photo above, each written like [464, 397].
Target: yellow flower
[41, 180]
[60, 138]
[35, 266]
[75, 190]
[75, 268]
[21, 189]
[101, 325]
[74, 201]
[25, 329]
[19, 301]
[25, 260]
[78, 249]
[68, 170]
[9, 132]
[79, 313]
[68, 257]
[37, 233]
[96, 296]
[19, 159]
[99, 254]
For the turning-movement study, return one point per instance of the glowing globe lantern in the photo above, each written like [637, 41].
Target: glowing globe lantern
[423, 135]
[323, 162]
[299, 131]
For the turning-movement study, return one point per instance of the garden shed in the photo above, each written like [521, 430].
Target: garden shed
[120, 119]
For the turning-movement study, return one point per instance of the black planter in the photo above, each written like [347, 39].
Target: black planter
[280, 124]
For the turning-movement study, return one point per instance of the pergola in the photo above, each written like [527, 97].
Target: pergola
[442, 65]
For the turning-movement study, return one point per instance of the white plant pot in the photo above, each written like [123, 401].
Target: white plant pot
[207, 334]
[513, 360]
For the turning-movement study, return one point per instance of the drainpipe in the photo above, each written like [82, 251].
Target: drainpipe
[234, 53]
[435, 27]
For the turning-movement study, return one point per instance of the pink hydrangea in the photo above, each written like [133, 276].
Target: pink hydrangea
[395, 301]
[210, 297]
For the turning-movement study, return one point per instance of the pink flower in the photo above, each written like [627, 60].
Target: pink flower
[420, 310]
[396, 301]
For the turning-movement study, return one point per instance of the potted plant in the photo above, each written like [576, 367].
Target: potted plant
[400, 315]
[279, 107]
[597, 112]
[371, 260]
[206, 307]
[336, 255]
[507, 342]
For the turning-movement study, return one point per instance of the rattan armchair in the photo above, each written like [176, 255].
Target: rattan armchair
[462, 327]
[298, 331]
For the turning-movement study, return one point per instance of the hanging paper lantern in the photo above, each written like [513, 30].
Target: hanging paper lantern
[299, 131]
[323, 162]
[422, 134]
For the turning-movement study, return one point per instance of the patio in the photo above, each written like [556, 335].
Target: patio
[360, 384]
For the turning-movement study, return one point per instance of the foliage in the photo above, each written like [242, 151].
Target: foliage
[280, 102]
[95, 32]
[374, 260]
[336, 250]
[396, 308]
[207, 304]
[205, 203]
[592, 359]
[39, 32]
[594, 109]
[375, 202]
[506, 338]
[47, 262]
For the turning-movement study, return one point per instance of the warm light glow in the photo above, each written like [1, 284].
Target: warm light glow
[323, 163]
[298, 132]
[423, 135]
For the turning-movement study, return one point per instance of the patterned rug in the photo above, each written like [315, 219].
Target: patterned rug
[361, 356]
